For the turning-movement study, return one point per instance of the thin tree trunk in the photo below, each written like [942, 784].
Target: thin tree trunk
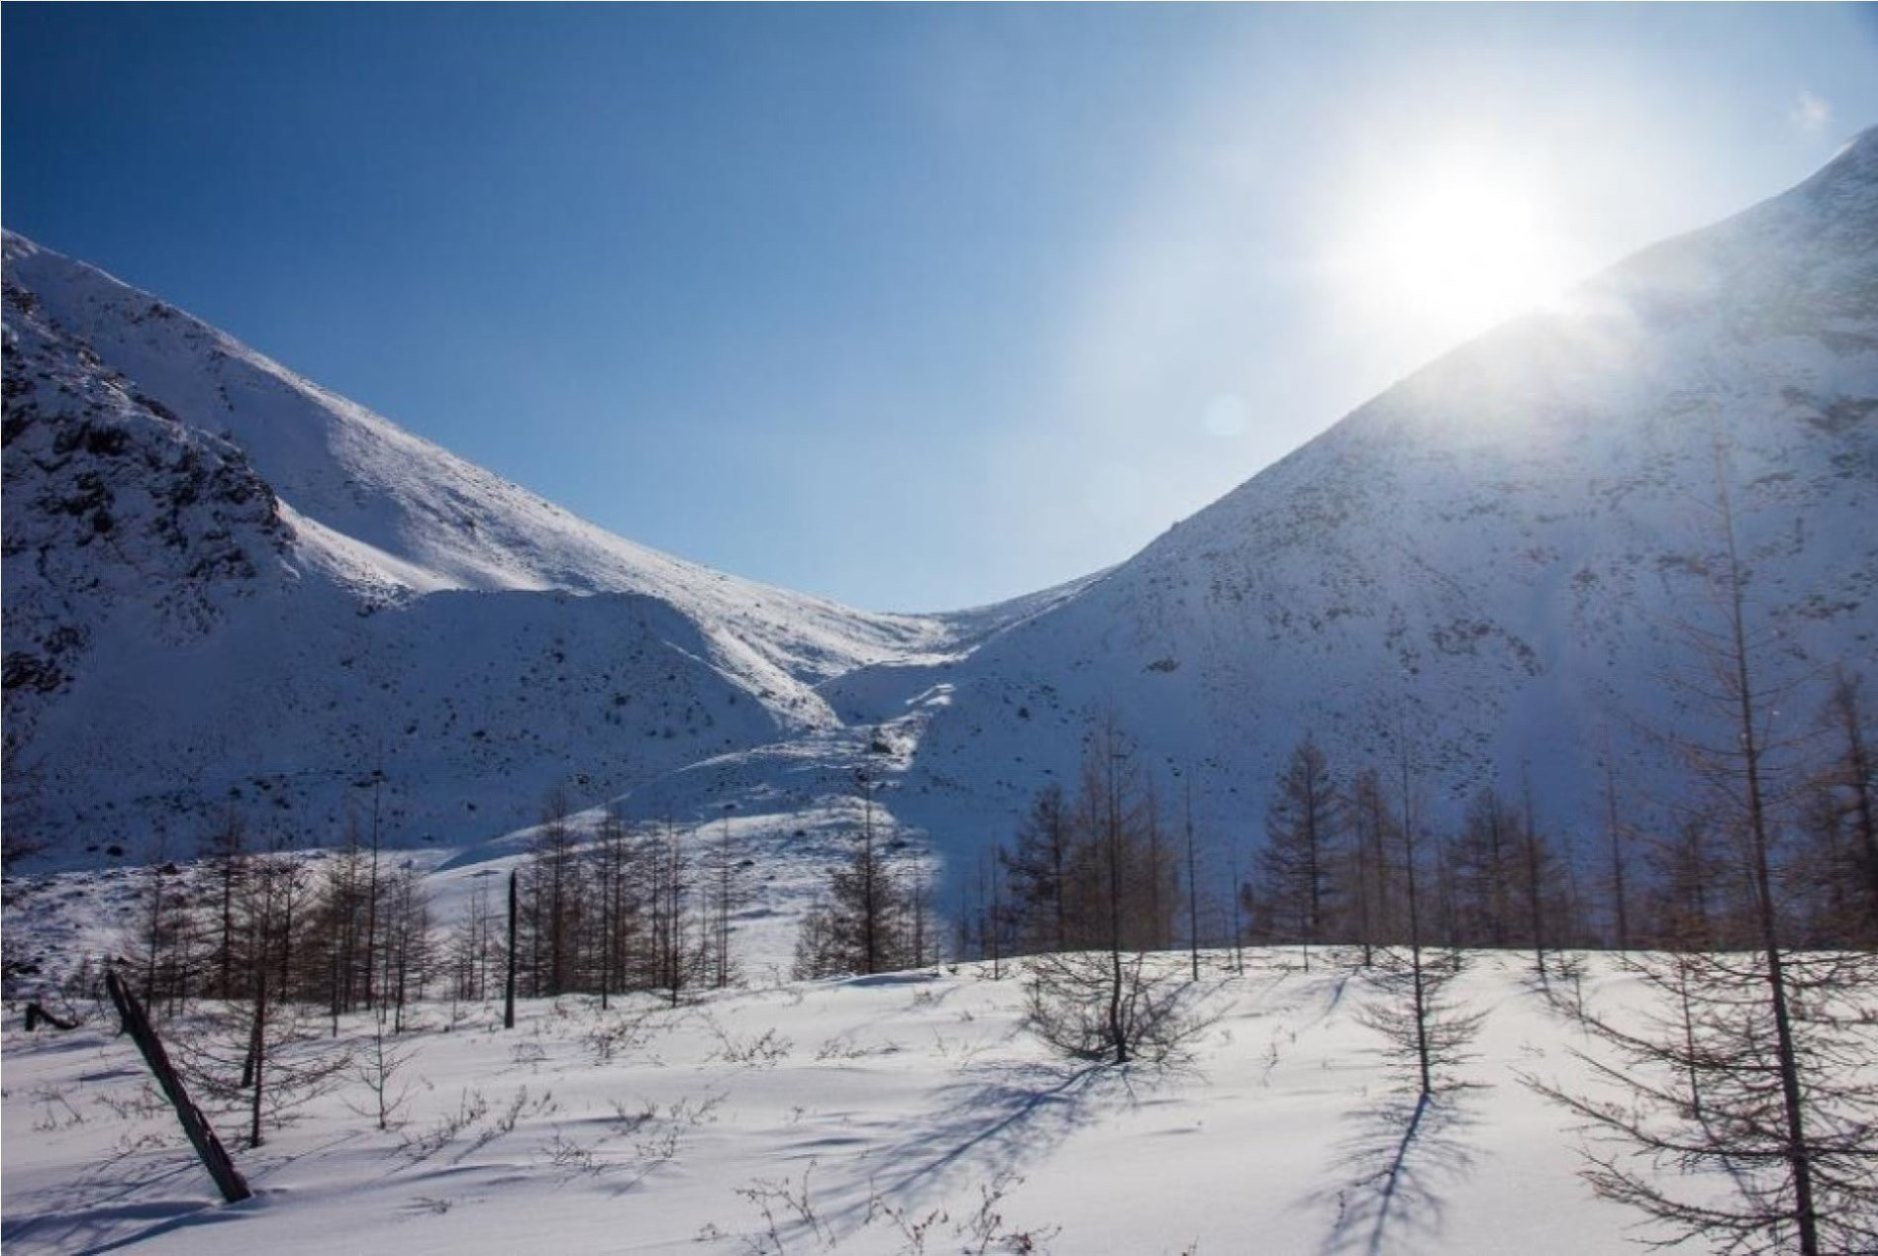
[1797, 1152]
[257, 1057]
[508, 985]
[1618, 892]
[1535, 896]
[1415, 932]
[1116, 1033]
[371, 896]
[1193, 891]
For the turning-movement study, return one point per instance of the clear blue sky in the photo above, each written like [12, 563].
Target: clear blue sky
[917, 307]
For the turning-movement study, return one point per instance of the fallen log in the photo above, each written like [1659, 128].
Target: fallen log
[35, 1013]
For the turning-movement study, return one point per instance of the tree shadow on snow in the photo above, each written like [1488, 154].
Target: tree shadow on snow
[1400, 1159]
[988, 1126]
[99, 1214]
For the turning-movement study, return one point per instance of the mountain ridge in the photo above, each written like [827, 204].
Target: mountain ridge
[1495, 551]
[1488, 551]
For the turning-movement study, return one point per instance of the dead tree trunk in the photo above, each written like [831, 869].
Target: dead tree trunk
[201, 1135]
[35, 1013]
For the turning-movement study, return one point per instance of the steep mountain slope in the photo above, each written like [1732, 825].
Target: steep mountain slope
[1498, 556]
[225, 584]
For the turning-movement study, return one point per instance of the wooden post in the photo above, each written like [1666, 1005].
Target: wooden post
[201, 1135]
[1193, 890]
[508, 990]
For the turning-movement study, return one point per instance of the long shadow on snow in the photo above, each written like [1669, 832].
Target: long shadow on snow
[1400, 1158]
[125, 1199]
[990, 1125]
[105, 1214]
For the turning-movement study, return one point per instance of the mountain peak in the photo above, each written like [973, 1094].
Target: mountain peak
[1866, 142]
[1849, 182]
[1486, 553]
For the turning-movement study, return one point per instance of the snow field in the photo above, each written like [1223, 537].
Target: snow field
[893, 1114]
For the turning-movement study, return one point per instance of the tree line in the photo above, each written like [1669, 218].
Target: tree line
[1331, 861]
[875, 915]
[353, 929]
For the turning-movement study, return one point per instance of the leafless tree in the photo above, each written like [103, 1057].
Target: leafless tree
[382, 1066]
[1617, 836]
[723, 863]
[1426, 1031]
[1037, 867]
[551, 899]
[615, 882]
[1757, 1069]
[864, 924]
[1842, 822]
[1115, 1001]
[674, 960]
[225, 854]
[1304, 833]
[256, 1047]
[1370, 865]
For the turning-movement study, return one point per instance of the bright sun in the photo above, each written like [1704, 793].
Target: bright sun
[1459, 254]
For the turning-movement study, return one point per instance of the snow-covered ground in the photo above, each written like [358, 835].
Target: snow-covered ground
[904, 1113]
[226, 585]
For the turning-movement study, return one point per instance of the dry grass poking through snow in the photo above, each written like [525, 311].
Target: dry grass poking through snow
[901, 1114]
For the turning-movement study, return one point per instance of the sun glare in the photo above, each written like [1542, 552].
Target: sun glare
[1459, 254]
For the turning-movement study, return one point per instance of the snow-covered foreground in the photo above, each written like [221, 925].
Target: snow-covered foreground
[906, 1113]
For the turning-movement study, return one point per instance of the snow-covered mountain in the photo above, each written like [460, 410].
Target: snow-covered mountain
[223, 583]
[1500, 555]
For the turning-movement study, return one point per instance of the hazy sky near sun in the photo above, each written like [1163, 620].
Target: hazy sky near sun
[916, 307]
